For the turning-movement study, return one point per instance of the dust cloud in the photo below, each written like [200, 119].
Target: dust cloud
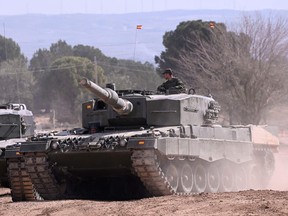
[279, 180]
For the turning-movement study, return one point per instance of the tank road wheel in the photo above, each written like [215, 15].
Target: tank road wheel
[200, 178]
[241, 181]
[227, 179]
[172, 176]
[213, 178]
[186, 178]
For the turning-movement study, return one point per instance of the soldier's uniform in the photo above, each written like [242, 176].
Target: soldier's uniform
[173, 84]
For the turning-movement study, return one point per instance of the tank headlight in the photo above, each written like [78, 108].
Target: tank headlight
[123, 142]
[54, 145]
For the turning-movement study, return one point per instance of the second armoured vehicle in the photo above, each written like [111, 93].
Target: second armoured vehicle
[16, 124]
[137, 143]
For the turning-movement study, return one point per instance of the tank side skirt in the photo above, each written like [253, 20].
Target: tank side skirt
[204, 148]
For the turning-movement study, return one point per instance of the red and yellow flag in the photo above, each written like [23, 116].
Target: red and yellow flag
[139, 27]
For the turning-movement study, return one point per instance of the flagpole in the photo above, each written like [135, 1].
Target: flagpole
[5, 46]
[138, 27]
[135, 44]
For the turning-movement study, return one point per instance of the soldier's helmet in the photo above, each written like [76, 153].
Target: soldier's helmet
[168, 71]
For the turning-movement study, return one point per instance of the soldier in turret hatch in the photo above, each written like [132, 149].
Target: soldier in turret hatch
[172, 84]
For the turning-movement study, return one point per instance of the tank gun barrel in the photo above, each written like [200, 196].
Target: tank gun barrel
[110, 97]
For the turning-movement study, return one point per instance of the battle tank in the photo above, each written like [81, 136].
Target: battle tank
[16, 124]
[137, 143]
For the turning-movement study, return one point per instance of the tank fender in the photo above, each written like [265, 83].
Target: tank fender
[12, 153]
[39, 146]
[206, 149]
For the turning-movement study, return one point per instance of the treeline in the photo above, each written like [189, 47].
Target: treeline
[49, 81]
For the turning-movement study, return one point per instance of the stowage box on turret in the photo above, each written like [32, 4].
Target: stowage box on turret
[136, 143]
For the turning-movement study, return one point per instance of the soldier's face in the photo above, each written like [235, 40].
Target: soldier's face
[167, 76]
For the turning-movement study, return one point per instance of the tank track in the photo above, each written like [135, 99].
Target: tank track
[42, 177]
[147, 166]
[22, 188]
[150, 168]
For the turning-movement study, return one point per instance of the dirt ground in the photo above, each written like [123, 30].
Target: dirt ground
[251, 202]
[267, 202]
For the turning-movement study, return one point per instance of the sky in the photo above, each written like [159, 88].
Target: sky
[17, 7]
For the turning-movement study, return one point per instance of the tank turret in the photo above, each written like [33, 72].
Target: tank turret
[139, 109]
[110, 97]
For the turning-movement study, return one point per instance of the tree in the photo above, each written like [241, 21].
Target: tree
[43, 58]
[264, 84]
[89, 52]
[245, 69]
[126, 74]
[40, 66]
[16, 82]
[9, 49]
[137, 75]
[60, 87]
[60, 49]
